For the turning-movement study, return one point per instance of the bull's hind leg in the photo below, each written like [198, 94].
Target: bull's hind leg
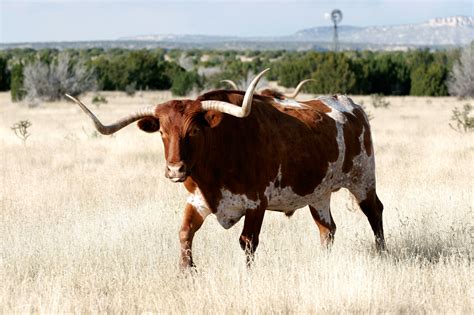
[373, 208]
[192, 221]
[321, 213]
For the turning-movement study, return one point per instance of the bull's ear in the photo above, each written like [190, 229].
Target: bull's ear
[149, 124]
[213, 118]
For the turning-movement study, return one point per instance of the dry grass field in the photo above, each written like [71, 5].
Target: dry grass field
[90, 224]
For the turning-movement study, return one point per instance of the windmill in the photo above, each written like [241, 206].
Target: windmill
[336, 17]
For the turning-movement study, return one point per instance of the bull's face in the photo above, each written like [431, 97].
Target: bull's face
[183, 126]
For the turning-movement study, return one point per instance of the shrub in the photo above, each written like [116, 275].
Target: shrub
[49, 82]
[379, 100]
[367, 112]
[21, 130]
[131, 88]
[464, 121]
[99, 99]
[461, 79]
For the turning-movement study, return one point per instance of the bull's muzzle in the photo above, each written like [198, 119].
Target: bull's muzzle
[176, 172]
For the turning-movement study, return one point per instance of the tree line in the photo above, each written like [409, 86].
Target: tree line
[28, 72]
[389, 73]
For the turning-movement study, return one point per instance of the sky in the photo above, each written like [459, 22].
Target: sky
[72, 20]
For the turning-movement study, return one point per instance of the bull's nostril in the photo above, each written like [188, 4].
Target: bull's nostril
[176, 168]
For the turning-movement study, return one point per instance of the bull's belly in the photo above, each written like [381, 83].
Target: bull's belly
[286, 208]
[232, 207]
[286, 200]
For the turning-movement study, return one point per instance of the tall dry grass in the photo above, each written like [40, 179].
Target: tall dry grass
[90, 224]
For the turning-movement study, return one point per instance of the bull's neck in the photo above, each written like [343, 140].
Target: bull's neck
[225, 153]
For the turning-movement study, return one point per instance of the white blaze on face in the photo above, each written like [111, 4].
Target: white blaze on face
[232, 207]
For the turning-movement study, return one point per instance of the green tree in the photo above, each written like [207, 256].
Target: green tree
[16, 88]
[184, 82]
[4, 74]
[334, 74]
[429, 80]
[147, 70]
[295, 67]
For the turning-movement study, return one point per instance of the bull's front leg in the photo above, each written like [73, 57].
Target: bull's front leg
[249, 238]
[192, 221]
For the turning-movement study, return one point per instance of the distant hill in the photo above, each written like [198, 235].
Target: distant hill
[453, 31]
[456, 31]
[436, 33]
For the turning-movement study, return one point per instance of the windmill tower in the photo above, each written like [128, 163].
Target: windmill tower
[336, 17]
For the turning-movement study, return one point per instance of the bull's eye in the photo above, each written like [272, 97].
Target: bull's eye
[194, 131]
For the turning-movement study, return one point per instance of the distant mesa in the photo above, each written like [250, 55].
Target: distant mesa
[452, 21]
[457, 31]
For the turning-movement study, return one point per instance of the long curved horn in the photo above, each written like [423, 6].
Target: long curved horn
[298, 88]
[232, 109]
[123, 122]
[231, 83]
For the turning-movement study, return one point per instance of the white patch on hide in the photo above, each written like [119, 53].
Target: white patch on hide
[289, 103]
[341, 104]
[362, 175]
[232, 207]
[282, 199]
[197, 201]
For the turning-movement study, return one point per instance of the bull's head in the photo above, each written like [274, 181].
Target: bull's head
[181, 124]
